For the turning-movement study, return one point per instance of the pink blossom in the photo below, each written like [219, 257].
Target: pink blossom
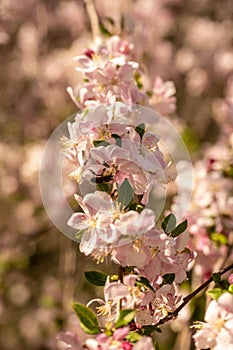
[217, 331]
[230, 278]
[127, 293]
[105, 224]
[163, 96]
[156, 254]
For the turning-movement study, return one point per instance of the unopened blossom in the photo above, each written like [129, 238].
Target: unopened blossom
[230, 278]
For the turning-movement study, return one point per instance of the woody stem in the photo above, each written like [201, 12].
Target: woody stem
[187, 299]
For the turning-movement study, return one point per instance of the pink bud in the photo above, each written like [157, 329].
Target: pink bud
[230, 278]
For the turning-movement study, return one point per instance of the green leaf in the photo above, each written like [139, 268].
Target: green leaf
[215, 293]
[87, 318]
[137, 78]
[122, 22]
[179, 229]
[224, 284]
[228, 172]
[140, 129]
[169, 278]
[97, 278]
[110, 20]
[79, 234]
[98, 143]
[230, 289]
[218, 238]
[147, 330]
[135, 206]
[216, 278]
[144, 281]
[125, 193]
[126, 316]
[104, 30]
[117, 139]
[169, 223]
[133, 337]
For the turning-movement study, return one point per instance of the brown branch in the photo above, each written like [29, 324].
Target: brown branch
[186, 300]
[120, 273]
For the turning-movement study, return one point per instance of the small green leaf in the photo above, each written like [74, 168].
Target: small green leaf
[215, 293]
[125, 193]
[179, 229]
[110, 20]
[147, 330]
[122, 22]
[79, 234]
[137, 78]
[144, 281]
[135, 206]
[218, 238]
[98, 278]
[87, 318]
[133, 337]
[126, 316]
[169, 223]
[117, 139]
[230, 289]
[140, 129]
[224, 284]
[98, 143]
[216, 278]
[104, 30]
[169, 278]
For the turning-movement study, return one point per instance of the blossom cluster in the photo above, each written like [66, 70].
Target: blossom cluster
[210, 214]
[117, 160]
[116, 163]
[111, 75]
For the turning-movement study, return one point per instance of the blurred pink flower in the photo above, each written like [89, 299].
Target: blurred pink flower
[163, 98]
[69, 341]
[217, 331]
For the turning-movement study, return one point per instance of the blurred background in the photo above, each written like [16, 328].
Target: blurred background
[189, 42]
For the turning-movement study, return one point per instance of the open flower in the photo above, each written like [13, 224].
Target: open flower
[217, 330]
[104, 224]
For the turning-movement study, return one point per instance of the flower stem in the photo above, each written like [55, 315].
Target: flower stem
[93, 18]
[186, 300]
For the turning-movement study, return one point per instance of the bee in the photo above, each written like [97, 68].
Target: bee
[105, 177]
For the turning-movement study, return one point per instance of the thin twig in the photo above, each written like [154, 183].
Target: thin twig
[186, 300]
[94, 20]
